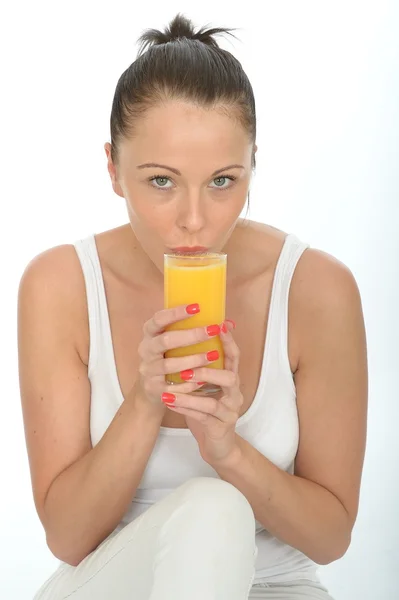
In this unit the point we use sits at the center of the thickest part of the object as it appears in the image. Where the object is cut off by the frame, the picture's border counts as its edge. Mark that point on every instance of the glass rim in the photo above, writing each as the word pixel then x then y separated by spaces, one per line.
pixel 195 255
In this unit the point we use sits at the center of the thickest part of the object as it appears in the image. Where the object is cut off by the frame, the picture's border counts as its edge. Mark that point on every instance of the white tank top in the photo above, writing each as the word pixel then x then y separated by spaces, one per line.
pixel 270 424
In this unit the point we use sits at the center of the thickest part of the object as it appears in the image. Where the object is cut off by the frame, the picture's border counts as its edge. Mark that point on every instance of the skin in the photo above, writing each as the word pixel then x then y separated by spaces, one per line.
pixel 194 212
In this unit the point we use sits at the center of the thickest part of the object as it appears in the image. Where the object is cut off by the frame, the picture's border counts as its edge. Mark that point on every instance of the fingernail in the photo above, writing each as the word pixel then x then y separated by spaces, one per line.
pixel 201 382
pixel 232 322
pixel 212 355
pixel 213 330
pixel 192 309
pixel 187 374
pixel 167 398
pixel 224 327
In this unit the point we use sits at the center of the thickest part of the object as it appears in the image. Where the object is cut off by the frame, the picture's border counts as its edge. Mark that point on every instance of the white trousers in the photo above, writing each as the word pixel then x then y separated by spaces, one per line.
pixel 197 543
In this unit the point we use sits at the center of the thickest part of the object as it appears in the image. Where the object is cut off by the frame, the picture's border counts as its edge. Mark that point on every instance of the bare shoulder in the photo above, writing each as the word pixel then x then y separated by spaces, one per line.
pixel 321 281
pixel 56 264
pixel 323 293
pixel 56 276
pixel 314 263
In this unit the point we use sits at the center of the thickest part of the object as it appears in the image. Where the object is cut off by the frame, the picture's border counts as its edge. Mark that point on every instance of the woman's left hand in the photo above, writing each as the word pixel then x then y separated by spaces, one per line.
pixel 212 419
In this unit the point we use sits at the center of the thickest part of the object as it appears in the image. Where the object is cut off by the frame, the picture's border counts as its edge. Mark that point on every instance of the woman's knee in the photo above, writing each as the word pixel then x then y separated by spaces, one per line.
pixel 216 495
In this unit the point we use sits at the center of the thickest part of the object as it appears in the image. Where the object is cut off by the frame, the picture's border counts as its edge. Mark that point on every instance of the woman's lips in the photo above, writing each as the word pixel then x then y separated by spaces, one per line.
pixel 190 249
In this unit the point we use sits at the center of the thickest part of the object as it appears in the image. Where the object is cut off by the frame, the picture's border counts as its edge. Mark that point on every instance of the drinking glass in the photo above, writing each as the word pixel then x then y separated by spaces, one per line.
pixel 191 278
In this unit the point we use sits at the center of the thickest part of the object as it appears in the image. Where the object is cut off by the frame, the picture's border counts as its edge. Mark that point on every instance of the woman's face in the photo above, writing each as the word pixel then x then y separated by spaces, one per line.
pixel 187 204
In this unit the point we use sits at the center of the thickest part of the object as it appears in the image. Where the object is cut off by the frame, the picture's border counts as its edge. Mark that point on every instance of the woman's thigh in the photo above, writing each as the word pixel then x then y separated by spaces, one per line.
pixel 104 573
pixel 175 539
pixel 295 590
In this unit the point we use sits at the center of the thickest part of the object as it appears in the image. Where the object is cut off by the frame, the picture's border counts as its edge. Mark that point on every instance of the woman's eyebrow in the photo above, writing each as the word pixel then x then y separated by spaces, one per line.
pixel 178 172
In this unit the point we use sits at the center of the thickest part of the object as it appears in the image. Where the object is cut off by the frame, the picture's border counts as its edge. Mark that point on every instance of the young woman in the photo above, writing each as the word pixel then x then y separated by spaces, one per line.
pixel 148 491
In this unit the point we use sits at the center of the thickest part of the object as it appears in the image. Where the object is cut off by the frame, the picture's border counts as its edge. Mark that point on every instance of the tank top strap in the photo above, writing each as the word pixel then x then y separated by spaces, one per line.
pixel 95 294
pixel 278 318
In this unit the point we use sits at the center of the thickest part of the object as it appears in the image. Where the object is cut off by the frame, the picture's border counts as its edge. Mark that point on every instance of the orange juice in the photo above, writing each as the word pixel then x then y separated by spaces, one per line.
pixel 190 279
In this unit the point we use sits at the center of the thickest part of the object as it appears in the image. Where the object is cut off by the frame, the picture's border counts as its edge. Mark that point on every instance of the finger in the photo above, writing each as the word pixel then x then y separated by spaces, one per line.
pixel 230 349
pixel 205 405
pixel 181 338
pixel 155 386
pixel 222 377
pixel 193 414
pixel 165 366
pixel 167 316
pixel 180 388
pixel 227 380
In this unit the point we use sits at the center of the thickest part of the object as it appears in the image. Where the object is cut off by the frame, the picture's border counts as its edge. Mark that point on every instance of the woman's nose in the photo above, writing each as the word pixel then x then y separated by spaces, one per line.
pixel 191 215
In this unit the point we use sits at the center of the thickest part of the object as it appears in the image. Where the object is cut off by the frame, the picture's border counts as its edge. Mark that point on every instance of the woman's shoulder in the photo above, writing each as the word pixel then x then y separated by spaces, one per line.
pixel 318 278
pixel 56 273
pixel 59 267
pixel 315 265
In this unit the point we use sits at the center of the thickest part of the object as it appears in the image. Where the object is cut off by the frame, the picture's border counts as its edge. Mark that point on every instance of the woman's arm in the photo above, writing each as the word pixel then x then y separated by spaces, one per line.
pixel 315 509
pixel 86 502
pixel 80 492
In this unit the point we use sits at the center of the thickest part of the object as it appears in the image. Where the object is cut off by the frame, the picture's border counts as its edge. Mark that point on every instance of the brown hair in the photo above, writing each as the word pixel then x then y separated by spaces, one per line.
pixel 183 65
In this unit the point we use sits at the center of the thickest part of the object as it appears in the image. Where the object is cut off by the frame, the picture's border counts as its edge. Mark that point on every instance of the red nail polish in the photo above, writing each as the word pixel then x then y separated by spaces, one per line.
pixel 224 327
pixel 166 398
pixel 212 355
pixel 213 330
pixel 192 309
pixel 201 382
pixel 187 374
pixel 232 322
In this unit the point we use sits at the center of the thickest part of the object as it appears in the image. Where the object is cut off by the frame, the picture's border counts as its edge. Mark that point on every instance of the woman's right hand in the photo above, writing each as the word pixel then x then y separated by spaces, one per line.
pixel 153 367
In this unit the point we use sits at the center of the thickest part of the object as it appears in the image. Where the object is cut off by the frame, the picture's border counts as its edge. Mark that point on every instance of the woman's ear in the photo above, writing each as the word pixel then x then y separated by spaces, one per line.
pixel 112 171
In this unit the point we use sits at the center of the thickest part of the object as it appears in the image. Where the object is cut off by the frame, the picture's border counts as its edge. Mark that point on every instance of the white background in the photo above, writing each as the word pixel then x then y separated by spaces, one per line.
pixel 326 82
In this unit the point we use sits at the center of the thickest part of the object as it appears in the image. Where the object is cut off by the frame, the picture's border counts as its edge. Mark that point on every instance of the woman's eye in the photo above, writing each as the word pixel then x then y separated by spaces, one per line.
pixel 163 180
pixel 226 177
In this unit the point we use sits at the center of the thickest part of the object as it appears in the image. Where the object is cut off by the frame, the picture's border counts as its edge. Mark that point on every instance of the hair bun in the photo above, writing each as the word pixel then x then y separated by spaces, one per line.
pixel 179 27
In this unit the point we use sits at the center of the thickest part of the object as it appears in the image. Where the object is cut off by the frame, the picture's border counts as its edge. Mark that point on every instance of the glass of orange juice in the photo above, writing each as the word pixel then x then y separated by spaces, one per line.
pixel 191 278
